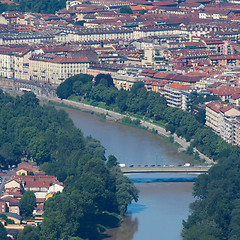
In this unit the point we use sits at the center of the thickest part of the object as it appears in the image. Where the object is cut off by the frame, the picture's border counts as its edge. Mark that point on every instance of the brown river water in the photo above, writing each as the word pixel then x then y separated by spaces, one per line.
pixel 163 205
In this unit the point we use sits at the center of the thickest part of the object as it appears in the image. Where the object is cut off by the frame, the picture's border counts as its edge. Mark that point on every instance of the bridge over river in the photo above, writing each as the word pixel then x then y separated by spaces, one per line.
pixel 193 169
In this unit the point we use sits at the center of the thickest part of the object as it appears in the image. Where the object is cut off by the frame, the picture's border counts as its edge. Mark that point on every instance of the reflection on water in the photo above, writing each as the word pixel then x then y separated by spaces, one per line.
pixel 156 180
pixel 127 230
pixel 158 214
pixel 136 208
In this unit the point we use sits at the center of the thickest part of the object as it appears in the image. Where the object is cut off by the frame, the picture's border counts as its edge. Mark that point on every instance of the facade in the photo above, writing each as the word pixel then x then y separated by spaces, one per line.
pixel 213 115
pixel 3 206
pixel 30 38
pixel 55 69
pixel 237 132
pixel 99 34
pixel 12 204
pixel 227 125
pixel 126 82
pixel 178 95
pixel 6 63
pixel 21 64
pixel 12 183
pixel 224 120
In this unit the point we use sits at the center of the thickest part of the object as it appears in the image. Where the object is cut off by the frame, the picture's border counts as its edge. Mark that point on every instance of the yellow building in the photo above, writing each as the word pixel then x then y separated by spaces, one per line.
pixel 22 172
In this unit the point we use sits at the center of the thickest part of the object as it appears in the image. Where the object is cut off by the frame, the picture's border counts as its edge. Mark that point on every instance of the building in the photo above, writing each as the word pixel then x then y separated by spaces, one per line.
pixel 24 168
pixel 227 125
pixel 178 95
pixel 213 110
pixel 55 69
pixel 224 119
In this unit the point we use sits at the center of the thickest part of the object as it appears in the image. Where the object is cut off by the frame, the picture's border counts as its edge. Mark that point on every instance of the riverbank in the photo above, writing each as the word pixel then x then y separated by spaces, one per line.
pixel 113 116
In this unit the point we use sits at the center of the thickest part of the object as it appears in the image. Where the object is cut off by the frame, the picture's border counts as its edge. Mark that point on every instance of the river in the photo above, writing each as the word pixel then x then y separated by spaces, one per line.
pixel 162 205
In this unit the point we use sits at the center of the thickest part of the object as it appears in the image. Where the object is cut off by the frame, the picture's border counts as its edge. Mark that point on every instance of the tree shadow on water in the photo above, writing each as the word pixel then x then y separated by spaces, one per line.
pixel 126 231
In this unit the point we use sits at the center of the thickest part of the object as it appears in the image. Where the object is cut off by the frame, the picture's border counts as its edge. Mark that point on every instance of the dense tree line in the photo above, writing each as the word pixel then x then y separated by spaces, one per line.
pixel 43 6
pixel 96 192
pixel 215 213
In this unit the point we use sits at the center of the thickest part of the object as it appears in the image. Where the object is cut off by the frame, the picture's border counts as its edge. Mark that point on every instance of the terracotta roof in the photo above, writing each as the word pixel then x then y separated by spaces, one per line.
pixel 12 201
pixel 225 90
pixel 215 106
pixel 27 166
pixel 178 86
pixel 218 106
pixel 215 85
pixel 236 96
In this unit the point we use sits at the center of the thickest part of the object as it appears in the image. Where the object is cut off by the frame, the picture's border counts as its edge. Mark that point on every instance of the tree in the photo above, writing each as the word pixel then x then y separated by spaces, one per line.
pixel 29 99
pixel 170 127
pixel 80 23
pixel 27 204
pixel 64 90
pixel 142 12
pixel 29 233
pixel 100 77
pixel 202 232
pixel 126 9
pixel 3 233
pixel 38 149
pixel 112 161
pixel 137 86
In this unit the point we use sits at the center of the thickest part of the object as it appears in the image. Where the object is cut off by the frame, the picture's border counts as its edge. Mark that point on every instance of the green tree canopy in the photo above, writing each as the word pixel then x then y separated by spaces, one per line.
pixel 27 204
pixel 3 233
pixel 126 9
pixel 29 233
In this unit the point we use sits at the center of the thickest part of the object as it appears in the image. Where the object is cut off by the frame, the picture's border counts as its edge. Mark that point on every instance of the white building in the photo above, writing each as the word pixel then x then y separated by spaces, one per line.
pixel 177 95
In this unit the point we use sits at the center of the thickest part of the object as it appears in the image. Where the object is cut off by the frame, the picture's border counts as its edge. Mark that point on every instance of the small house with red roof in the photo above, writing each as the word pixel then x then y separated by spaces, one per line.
pixel 24 168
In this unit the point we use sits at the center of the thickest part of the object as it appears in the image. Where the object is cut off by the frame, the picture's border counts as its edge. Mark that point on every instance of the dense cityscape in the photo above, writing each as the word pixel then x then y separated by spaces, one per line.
pixel 172 63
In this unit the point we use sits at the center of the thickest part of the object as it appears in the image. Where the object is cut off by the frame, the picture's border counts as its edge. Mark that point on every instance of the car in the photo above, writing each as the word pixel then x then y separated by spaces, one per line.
pixel 131 166
pixel 146 166
pixel 153 165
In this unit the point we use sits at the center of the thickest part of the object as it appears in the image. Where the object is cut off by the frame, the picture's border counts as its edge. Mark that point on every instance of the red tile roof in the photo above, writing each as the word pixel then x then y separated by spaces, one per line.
pixel 225 90
pixel 218 106
pixel 178 86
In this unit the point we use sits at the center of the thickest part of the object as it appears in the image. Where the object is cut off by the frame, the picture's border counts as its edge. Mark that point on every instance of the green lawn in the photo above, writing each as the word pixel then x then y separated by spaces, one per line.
pixel 74 98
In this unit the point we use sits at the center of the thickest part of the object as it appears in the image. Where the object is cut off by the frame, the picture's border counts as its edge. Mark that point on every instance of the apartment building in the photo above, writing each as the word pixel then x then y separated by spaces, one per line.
pixel 98 34
pixel 25 37
pixel 213 115
pixel 6 62
pixel 224 120
pixel 55 69
pixel 21 63
pixel 178 95
pixel 227 124
pixel 225 60
pixel 236 136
